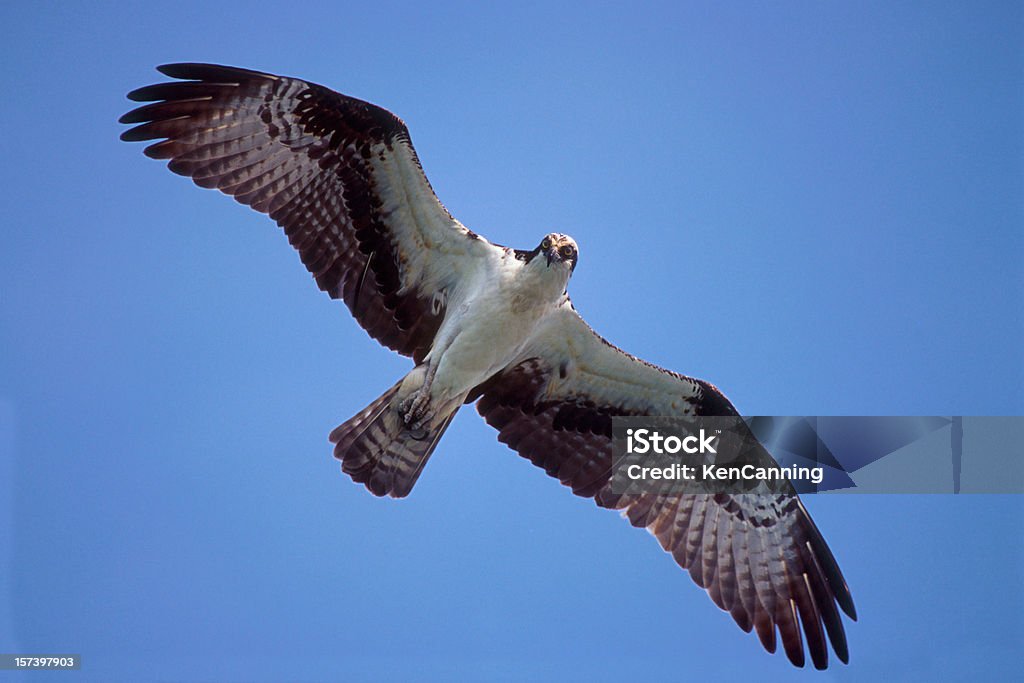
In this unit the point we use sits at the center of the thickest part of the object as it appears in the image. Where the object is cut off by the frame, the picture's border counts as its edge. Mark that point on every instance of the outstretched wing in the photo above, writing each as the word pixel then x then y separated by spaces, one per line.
pixel 760 557
pixel 338 174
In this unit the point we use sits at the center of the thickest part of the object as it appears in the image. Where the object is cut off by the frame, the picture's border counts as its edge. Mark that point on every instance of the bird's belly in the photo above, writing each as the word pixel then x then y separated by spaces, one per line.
pixel 485 343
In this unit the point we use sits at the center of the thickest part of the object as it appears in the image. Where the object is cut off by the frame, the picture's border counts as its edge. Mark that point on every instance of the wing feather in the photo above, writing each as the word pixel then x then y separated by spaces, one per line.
pixel 339 175
pixel 759 557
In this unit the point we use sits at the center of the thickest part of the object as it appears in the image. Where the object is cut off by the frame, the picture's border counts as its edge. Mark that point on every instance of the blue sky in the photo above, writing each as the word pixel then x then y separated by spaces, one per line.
pixel 816 206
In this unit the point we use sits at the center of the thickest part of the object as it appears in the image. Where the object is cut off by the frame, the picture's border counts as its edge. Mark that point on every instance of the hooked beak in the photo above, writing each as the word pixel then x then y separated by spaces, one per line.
pixel 550 253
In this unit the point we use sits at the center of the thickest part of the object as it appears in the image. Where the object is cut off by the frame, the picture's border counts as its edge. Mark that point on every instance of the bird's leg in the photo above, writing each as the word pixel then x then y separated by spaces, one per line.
pixel 414 408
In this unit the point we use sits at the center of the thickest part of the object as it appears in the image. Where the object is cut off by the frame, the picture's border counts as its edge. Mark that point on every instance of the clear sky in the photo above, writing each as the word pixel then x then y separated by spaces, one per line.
pixel 816 206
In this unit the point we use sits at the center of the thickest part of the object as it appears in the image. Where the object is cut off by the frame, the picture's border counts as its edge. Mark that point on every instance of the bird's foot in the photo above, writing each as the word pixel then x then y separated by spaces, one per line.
pixel 414 410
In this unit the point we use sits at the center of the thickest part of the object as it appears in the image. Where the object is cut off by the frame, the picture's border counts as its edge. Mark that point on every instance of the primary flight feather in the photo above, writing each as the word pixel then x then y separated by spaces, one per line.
pixel 482 323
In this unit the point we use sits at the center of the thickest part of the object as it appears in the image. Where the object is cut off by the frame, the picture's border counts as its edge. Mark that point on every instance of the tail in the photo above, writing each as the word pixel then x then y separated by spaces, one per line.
pixel 377 449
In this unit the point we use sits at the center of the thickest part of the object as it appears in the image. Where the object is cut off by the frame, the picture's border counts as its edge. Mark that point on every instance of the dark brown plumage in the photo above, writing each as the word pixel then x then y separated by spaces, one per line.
pixel 297 152
pixel 794 580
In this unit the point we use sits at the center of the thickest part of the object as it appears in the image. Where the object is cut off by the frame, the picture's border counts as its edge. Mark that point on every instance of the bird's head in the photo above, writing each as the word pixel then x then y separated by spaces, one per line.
pixel 560 249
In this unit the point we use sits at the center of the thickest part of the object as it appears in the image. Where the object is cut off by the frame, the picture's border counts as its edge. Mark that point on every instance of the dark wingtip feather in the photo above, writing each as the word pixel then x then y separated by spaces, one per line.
pixel 198 71
pixel 847 605
pixel 788 624
pixel 836 581
pixel 161 150
pixel 765 629
pixel 161 111
pixel 143 94
pixel 154 130
pixel 180 90
pixel 838 584
pixel 180 69
pixel 740 615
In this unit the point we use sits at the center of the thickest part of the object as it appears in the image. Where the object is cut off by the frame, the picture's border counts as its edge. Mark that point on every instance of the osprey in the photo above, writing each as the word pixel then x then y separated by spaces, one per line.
pixel 482 323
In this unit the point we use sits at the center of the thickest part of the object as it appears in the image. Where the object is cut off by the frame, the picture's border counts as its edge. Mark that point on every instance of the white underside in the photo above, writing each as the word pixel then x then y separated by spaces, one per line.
pixel 491 321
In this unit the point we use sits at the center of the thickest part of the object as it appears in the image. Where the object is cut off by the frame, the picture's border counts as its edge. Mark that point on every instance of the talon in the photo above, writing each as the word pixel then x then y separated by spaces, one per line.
pixel 405 409
pixel 413 408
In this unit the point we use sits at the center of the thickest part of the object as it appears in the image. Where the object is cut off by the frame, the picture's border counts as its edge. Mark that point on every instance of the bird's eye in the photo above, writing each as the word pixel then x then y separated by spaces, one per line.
pixel 566 251
pixel 546 244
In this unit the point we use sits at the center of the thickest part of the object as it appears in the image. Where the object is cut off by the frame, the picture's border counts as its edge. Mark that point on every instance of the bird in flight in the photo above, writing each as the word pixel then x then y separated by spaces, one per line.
pixel 482 323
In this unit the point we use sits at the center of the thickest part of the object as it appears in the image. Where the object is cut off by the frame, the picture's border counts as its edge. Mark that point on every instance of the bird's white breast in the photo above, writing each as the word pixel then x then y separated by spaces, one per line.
pixel 491 323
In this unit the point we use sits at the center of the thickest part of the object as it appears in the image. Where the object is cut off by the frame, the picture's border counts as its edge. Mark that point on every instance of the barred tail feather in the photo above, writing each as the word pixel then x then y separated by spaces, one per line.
pixel 377 449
